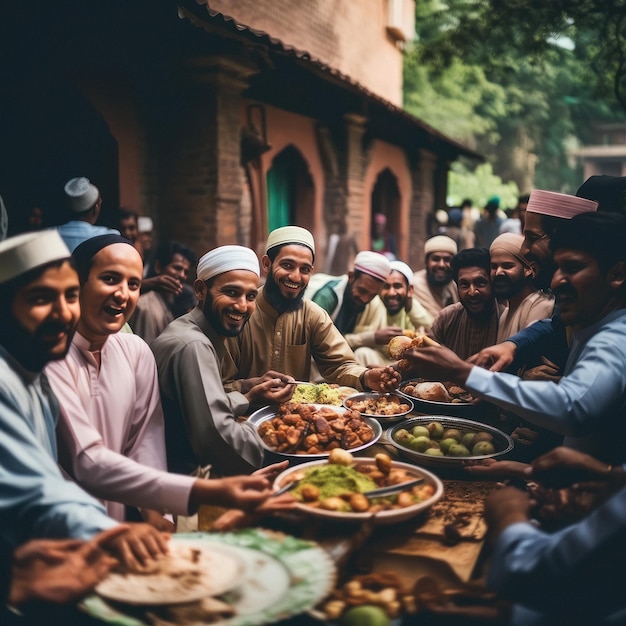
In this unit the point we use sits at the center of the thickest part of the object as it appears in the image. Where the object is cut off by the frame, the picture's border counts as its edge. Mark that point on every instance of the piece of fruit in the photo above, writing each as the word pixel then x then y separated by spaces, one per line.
pixel 436 430
pixel 365 615
pixel 483 447
pixel 445 444
pixel 468 440
pixel 458 449
pixel 452 433
pixel 483 436
pixel 419 444
pixel 402 434
pixel 434 452
pixel 420 431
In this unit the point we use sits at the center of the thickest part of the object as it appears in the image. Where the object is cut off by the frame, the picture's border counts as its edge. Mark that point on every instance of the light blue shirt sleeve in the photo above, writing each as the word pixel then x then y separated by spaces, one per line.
pixel 35 498
pixel 572 572
pixel 591 392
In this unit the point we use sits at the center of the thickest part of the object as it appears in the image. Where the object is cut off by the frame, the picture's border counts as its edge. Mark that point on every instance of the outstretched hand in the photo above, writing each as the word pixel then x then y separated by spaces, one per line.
pixel 495 358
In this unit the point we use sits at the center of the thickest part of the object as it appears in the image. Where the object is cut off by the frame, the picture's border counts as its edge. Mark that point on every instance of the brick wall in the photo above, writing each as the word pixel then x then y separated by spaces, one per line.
pixel 349 36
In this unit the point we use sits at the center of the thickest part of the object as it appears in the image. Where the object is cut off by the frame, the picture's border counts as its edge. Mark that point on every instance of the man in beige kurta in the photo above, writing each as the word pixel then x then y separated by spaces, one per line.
pixel 433 286
pixel 394 312
pixel 286 330
pixel 512 284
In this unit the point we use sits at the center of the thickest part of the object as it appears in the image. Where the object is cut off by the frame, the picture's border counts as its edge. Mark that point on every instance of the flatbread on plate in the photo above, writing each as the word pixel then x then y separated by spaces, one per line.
pixel 192 570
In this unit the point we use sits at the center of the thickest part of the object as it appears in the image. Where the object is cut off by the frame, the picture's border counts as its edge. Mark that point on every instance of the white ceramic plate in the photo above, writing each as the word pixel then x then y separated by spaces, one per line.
pixel 214 570
pixel 392 516
pixel 284 577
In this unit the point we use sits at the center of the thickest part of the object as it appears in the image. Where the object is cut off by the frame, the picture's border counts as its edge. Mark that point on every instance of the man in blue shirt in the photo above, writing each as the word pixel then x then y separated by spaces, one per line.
pixel 84 202
pixel 587 404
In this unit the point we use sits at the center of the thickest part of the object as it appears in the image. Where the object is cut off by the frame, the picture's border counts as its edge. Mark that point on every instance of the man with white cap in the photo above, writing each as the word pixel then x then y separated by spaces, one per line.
pixel 393 312
pixel 39 311
pixel 433 286
pixel 200 416
pixel 512 284
pixel 84 202
pixel 345 298
pixel 287 331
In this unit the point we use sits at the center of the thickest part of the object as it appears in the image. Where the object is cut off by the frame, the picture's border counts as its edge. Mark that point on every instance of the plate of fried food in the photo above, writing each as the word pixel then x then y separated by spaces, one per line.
pixel 346 488
pixel 387 408
pixel 311 431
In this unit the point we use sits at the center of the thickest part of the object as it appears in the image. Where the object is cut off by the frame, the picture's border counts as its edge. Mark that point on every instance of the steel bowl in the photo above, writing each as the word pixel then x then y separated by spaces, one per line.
pixel 457 409
pixel 391 516
pixel 501 441
pixel 382 418
pixel 269 412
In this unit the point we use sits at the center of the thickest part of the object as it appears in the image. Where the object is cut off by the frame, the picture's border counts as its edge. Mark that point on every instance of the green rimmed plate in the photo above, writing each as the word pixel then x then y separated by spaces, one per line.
pixel 284 576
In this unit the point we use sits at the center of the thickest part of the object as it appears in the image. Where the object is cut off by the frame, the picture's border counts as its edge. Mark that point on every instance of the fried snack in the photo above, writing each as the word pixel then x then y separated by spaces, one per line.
pixel 304 429
pixel 398 345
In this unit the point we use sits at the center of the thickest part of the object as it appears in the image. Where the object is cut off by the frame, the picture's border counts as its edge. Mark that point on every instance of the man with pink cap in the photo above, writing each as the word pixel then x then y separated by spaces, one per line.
pixel 345 298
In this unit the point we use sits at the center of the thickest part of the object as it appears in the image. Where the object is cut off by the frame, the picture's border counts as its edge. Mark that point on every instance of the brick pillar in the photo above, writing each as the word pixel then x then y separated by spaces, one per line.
pixel 422 203
pixel 355 173
pixel 201 174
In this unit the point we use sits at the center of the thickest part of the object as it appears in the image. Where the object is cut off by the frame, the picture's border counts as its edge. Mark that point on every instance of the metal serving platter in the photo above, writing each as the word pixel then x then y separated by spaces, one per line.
pixel 430 407
pixel 268 412
pixel 383 419
pixel 501 441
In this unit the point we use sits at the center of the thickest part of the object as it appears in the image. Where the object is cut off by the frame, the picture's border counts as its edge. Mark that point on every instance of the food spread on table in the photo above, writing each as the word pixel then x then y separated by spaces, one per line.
pixel 307 429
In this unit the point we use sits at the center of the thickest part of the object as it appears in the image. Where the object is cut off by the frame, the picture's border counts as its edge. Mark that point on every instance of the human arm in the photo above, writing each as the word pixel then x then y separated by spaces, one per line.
pixel 584 401
pixel 59 571
pixel 164 283
pixel 496 358
pixel 189 372
pixel 271 388
pixel 562 467
pixel 567 573
pixel 134 471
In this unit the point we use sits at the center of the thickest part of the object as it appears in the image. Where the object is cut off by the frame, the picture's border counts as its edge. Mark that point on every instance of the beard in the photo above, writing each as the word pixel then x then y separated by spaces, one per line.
pixel 214 318
pixel 545 272
pixel 504 287
pixel 433 281
pixel 30 349
pixel 277 300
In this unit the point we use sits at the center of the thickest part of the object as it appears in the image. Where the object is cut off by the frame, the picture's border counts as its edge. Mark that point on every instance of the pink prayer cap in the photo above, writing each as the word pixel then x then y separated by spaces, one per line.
pixel 559 204
pixel 372 263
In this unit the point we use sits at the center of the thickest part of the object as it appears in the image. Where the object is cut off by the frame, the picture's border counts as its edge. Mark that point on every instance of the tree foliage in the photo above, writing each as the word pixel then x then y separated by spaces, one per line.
pixel 519 80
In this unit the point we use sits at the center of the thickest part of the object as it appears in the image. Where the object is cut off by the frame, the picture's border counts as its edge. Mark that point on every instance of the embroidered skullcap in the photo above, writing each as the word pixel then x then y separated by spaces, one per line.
pixel 608 191
pixel 380 218
pixel 511 244
pixel 81 194
pixel 404 269
pixel 558 204
pixel 144 224
pixel 227 259
pixel 25 252
pixel 440 243
pixel 372 263
pixel 286 235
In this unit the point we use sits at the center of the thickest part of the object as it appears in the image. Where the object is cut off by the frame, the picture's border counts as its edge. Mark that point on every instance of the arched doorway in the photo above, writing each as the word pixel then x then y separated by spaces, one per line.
pixel 385 218
pixel 50 134
pixel 290 191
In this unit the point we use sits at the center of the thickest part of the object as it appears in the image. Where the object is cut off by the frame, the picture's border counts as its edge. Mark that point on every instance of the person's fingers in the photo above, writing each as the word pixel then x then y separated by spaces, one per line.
pixel 107 535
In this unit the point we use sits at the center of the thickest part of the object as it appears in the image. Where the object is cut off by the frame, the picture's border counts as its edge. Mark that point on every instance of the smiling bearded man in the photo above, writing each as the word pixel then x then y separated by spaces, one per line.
pixel 200 416
pixel 286 331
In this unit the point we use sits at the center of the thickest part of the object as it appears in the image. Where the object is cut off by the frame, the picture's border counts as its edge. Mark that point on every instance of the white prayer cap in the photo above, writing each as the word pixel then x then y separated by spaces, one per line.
pixel 81 194
pixel 404 269
pixel 290 235
pixel 558 204
pixel 227 259
pixel 145 224
pixel 440 243
pixel 372 263
pixel 25 252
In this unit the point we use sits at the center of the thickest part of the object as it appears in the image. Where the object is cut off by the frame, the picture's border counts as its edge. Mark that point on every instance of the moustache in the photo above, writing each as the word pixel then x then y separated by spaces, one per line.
pixel 53 328
pixel 565 291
